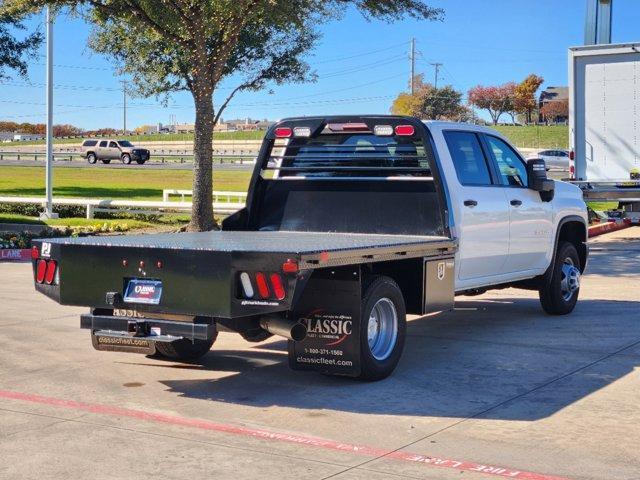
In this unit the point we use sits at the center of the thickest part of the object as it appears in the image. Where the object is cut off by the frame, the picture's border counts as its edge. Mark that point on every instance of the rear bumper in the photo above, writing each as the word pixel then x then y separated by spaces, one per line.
pixel 147 328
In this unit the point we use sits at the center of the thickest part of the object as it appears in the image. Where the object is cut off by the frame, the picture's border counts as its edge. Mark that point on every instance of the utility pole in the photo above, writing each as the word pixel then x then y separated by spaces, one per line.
pixel 437 68
pixel 124 106
pixel 48 213
pixel 598 22
pixel 412 59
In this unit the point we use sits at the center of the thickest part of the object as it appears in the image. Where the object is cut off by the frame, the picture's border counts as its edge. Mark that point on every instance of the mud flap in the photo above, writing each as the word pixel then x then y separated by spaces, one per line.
pixel 330 309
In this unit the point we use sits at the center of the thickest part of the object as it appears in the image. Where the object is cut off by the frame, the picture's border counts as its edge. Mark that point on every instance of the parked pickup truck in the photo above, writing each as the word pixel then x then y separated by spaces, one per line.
pixel 351 223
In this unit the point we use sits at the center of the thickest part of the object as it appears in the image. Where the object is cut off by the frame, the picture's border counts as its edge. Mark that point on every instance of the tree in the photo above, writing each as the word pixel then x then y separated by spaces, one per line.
pixel 171 45
pixel 494 99
pixel 525 95
pixel 555 109
pixel 14 52
pixel 429 102
pixel 66 131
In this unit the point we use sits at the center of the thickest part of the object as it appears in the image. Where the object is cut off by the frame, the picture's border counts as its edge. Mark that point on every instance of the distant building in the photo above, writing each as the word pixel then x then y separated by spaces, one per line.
pixel 249 124
pixel 23 137
pixel 553 94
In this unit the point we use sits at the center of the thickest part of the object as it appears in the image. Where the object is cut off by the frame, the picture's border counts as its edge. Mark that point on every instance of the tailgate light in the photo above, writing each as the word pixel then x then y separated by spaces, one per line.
pixel 290 266
pixel 572 155
pixel 405 130
pixel 247 288
pixel 263 287
pixel 50 274
pixel 278 287
pixel 35 254
pixel 41 270
pixel 383 130
pixel 302 132
pixel 283 132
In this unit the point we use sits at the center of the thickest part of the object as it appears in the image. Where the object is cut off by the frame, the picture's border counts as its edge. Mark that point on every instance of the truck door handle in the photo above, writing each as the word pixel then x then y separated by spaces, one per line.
pixel 470 203
pixel 516 203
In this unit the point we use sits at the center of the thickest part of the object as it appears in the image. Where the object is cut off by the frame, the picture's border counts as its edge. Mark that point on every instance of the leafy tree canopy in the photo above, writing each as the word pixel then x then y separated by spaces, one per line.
pixel 14 52
pixel 429 102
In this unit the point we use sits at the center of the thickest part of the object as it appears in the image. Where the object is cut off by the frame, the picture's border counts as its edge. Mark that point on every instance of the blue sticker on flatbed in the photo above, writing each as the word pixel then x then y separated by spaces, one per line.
pixel 143 291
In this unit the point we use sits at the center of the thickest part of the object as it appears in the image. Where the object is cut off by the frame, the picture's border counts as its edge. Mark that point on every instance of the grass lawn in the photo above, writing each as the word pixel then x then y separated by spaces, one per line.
pixel 114 183
pixel 537 136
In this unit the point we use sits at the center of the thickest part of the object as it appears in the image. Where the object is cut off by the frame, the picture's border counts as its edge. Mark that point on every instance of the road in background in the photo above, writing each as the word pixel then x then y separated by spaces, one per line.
pixel 496 383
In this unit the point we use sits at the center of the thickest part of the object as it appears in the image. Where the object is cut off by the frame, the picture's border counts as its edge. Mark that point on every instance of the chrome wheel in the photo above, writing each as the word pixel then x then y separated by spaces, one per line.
pixel 382 329
pixel 570 279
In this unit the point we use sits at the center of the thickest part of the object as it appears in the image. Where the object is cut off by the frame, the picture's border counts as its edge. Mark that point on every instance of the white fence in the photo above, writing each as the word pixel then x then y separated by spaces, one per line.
pixel 94 205
pixel 239 198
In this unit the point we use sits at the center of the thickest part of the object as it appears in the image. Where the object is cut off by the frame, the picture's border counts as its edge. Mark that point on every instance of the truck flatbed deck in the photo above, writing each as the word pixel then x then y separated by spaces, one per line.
pixel 312 248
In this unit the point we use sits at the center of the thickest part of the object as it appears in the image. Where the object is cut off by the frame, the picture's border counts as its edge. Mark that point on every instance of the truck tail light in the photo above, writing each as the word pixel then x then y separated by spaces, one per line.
pixel 247 288
pixel 405 130
pixel 572 155
pixel 263 287
pixel 50 274
pixel 572 171
pixel 283 132
pixel 290 266
pixel 41 270
pixel 278 287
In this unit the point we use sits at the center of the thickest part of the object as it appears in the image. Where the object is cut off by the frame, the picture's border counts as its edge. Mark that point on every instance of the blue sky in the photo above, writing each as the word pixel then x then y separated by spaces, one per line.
pixel 361 65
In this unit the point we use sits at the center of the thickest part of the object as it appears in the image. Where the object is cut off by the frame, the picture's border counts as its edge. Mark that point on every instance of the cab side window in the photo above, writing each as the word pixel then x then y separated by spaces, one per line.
pixel 113 145
pixel 468 158
pixel 103 143
pixel 512 169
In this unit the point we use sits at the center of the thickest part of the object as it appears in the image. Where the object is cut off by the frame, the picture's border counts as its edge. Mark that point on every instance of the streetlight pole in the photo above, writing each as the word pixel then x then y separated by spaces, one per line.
pixel 48 213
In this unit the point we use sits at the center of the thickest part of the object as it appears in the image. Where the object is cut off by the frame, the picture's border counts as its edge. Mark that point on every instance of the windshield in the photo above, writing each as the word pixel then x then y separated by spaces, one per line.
pixel 352 155
pixel 125 143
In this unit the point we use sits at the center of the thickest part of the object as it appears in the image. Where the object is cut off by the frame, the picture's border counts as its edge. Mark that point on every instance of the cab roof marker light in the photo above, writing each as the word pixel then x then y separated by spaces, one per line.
pixel 245 281
pixel 283 132
pixel 383 130
pixel 301 132
pixel 405 130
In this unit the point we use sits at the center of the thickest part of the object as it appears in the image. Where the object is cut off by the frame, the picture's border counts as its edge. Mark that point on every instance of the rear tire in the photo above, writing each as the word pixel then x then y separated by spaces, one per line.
pixel 383 328
pixel 91 158
pixel 559 294
pixel 256 336
pixel 186 350
pixel 126 159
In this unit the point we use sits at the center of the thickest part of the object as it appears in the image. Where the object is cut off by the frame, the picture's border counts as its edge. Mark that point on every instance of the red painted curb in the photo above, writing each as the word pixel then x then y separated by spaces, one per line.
pixel 15 254
pixel 314 442
pixel 608 227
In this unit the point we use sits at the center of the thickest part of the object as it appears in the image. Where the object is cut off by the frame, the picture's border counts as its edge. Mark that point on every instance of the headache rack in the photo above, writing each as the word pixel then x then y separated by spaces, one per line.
pixel 371 147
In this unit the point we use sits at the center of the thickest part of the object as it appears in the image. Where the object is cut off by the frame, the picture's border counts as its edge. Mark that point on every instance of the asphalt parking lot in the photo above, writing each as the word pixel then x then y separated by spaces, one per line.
pixel 495 386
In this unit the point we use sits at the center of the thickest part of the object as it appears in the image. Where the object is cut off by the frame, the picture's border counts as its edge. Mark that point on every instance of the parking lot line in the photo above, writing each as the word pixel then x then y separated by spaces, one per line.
pixel 363 450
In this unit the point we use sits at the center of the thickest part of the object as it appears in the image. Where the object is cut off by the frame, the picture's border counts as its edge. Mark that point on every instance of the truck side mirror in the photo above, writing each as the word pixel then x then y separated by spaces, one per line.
pixel 538 181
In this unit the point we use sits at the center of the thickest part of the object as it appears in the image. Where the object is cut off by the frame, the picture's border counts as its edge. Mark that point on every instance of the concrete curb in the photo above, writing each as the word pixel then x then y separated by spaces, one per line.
pixel 608 227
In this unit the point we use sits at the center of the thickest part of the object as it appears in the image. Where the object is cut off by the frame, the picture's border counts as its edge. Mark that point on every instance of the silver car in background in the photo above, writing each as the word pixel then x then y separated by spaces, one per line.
pixel 555 159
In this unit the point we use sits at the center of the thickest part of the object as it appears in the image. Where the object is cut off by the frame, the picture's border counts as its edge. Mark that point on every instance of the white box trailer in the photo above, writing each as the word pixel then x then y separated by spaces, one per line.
pixel 604 112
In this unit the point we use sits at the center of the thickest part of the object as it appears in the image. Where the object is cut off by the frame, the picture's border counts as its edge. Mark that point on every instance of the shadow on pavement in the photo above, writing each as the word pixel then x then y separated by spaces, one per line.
pixel 456 364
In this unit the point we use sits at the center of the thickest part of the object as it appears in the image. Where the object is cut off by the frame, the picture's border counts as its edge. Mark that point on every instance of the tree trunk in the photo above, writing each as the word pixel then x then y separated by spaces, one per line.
pixel 202 209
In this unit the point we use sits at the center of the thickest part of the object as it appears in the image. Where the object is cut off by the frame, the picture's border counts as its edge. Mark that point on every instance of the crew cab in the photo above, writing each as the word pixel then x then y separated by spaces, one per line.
pixel 351 223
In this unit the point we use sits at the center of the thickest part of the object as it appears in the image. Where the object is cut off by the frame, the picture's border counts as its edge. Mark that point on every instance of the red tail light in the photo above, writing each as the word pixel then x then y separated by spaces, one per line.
pixel 283 132
pixel 261 283
pixel 290 266
pixel 405 130
pixel 35 254
pixel 50 274
pixel 572 155
pixel 278 287
pixel 41 270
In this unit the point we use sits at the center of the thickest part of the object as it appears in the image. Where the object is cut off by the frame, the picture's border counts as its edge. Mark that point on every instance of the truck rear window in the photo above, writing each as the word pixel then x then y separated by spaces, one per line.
pixel 350 155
